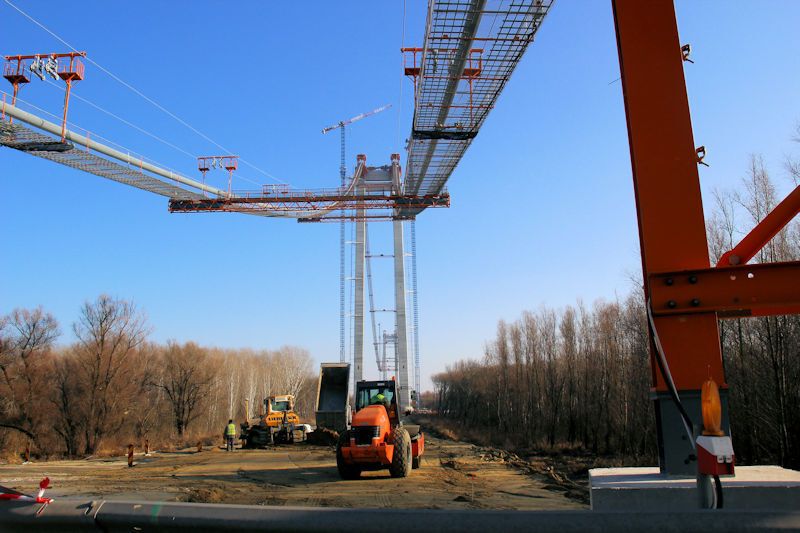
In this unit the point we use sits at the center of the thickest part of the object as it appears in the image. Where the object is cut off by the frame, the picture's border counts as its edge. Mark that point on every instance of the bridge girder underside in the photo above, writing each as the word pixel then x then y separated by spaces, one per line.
pixel 451 104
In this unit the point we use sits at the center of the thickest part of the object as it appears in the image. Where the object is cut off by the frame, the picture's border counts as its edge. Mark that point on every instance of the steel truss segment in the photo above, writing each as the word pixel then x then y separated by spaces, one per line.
pixel 354 218
pixel 305 204
pixel 736 291
pixel 457 87
pixel 373 190
pixel 324 196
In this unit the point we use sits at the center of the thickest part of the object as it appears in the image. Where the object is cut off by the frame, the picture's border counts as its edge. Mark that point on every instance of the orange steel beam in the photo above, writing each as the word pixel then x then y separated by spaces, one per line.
pixel 666 182
pixel 736 291
pixel 69 74
pixel 764 231
pixel 45 56
pixel 68 81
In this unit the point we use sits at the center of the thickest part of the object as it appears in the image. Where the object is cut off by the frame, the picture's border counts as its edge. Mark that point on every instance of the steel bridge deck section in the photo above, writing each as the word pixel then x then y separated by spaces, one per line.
pixel 453 96
pixel 40 145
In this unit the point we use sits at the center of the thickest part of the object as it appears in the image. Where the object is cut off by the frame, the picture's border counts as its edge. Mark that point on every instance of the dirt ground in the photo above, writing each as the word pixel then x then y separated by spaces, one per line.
pixel 454 475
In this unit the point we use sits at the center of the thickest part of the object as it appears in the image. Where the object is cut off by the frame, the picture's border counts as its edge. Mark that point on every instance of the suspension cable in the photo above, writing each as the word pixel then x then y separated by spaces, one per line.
pixel 142 95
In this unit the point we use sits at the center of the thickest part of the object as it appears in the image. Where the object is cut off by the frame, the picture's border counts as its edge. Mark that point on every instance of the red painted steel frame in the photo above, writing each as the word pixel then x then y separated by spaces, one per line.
pixel 73 72
pixel 745 290
pixel 671 224
pixel 765 230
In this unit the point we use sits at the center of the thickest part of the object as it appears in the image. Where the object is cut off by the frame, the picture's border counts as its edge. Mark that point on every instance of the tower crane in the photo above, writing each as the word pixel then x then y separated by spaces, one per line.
pixel 347 122
pixel 343 176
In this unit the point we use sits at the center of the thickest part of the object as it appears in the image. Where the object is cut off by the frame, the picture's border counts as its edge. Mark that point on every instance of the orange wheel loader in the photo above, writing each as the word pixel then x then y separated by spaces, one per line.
pixel 377 439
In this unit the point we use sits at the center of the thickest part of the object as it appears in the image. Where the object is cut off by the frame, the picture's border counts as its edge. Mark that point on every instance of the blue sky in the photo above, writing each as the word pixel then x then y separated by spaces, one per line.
pixel 542 204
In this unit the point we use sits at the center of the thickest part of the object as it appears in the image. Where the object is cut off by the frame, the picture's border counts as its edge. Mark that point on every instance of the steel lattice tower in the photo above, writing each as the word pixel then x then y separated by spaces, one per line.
pixel 343 177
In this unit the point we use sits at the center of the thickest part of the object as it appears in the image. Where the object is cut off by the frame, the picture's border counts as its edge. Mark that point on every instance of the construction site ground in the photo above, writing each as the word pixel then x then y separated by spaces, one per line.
pixel 454 475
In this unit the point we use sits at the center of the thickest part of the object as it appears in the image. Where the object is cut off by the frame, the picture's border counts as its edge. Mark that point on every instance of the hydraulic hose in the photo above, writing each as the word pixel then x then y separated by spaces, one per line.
pixel 663 367
pixel 718 488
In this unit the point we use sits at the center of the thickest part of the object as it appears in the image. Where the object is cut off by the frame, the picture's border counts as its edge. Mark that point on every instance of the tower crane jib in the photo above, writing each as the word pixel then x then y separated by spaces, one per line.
pixel 356 118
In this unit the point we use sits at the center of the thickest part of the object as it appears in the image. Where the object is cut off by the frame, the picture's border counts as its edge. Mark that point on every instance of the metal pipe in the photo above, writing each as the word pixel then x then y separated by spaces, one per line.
pixel 55 129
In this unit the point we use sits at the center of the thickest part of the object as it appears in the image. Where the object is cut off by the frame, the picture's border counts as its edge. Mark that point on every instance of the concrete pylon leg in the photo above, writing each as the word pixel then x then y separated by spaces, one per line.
pixel 401 348
pixel 358 307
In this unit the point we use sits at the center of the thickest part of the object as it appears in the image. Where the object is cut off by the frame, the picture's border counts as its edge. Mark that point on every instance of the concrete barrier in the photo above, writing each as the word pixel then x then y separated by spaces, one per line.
pixel 125 516
pixel 646 489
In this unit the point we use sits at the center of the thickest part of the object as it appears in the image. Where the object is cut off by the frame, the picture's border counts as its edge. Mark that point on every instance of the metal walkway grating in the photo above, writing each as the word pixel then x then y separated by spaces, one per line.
pixel 24 139
pixel 470 50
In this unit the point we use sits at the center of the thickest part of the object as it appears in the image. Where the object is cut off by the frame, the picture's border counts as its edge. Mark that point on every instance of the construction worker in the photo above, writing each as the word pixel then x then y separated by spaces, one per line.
pixel 230 435
pixel 378 399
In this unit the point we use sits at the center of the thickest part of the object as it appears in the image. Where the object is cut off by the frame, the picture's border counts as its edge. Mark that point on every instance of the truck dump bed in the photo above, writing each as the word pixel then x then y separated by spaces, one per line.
pixel 333 396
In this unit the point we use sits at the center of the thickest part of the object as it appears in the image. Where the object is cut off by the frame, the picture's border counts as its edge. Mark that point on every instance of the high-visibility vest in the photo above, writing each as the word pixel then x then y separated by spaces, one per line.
pixel 378 398
pixel 230 431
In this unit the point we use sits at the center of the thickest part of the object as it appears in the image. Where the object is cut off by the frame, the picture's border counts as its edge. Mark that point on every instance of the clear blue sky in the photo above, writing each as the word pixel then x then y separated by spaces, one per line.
pixel 542 212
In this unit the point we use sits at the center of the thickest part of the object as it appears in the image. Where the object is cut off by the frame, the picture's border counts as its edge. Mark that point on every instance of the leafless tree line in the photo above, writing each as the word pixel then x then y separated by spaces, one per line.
pixel 576 378
pixel 112 386
pixel 761 355
pixel 580 377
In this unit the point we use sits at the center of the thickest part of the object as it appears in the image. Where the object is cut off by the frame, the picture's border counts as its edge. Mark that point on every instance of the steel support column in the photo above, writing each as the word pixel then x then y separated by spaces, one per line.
pixel 669 207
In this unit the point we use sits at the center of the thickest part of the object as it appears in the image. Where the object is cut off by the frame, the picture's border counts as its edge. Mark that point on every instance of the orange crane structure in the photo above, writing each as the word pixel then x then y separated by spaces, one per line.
pixel 470 50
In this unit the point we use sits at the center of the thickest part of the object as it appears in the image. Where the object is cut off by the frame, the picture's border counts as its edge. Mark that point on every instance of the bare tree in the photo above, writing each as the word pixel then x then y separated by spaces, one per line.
pixel 26 339
pixel 232 384
pixel 574 376
pixel 586 375
pixel 145 405
pixel 185 381
pixel 109 333
pixel 66 398
pixel 292 365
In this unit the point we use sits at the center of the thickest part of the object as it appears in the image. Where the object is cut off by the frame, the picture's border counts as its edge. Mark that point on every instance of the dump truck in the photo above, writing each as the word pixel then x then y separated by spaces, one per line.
pixel 333 397
pixel 377 437
pixel 276 425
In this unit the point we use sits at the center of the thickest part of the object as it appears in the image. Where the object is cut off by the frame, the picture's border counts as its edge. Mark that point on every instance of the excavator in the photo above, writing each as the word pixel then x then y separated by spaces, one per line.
pixel 276 426
pixel 377 438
